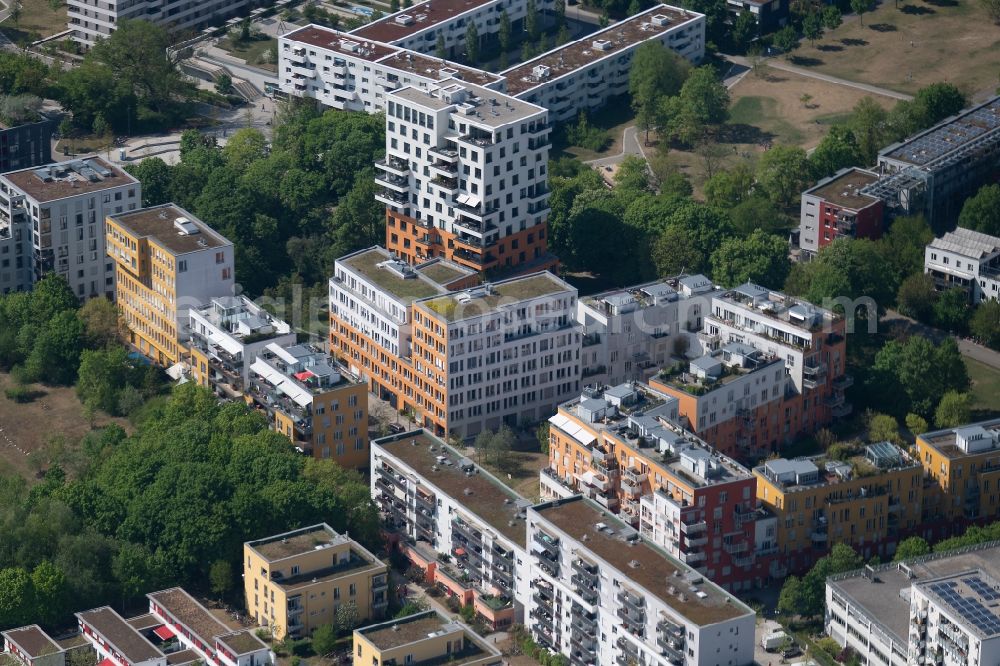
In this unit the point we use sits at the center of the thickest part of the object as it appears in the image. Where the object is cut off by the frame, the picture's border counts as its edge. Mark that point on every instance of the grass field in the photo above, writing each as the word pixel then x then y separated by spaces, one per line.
pixel 922 42
pixel 613 118
pixel 38 20
pixel 251 51
pixel 61 413
pixel 985 389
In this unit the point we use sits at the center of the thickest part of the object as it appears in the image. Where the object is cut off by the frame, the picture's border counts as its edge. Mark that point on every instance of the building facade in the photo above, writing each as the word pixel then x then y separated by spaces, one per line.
pixel 295 582
pixel 167 262
pixel 836 207
pixel 52 221
pixel 27 145
pixel 967 260
pixel 450 517
pixel 422 638
pixel 602 595
pixel 871 501
pixel 89 22
pixel 313 401
pixel 33 647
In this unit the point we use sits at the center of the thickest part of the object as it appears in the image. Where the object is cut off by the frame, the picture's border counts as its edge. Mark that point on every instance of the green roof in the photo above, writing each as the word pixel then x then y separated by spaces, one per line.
pixel 408 289
pixel 441 273
pixel 510 291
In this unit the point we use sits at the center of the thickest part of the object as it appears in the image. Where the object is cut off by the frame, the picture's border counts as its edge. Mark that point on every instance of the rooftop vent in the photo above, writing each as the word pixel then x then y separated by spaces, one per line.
pixel 185 227
pixel 404 19
pixel 602 45
pixel 634 564
pixel 348 45
pixel 467 491
pixel 660 20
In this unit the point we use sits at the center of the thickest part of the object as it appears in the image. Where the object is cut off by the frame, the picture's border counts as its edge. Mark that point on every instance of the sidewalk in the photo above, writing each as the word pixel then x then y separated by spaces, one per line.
pixel 976 352
pixel 778 63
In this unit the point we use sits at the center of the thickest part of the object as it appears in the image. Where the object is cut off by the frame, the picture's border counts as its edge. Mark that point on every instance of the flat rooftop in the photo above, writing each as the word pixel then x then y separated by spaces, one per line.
pixel 639 563
pixel 120 633
pixel 424 15
pixel 886 599
pixel 182 657
pixel 489 107
pixel 581 53
pixel 489 500
pixel 340 42
pixel 242 642
pixel 158 222
pixel 946 441
pixel 977 123
pixel 189 612
pixel 142 622
pixel 32 640
pixel 483 300
pixel 443 272
pixel 394 276
pixel 407 630
pixel 775 305
pixel 60 180
pixel 297 542
pixel 844 189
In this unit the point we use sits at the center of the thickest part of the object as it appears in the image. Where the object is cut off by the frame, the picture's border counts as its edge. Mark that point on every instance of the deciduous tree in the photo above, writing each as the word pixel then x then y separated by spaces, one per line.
pixel 760 258
pixel 954 410
pixel 981 212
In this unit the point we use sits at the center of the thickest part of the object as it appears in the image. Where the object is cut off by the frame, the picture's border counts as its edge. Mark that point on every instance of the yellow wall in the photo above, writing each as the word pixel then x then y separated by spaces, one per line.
pixel 366 654
pixel 955 476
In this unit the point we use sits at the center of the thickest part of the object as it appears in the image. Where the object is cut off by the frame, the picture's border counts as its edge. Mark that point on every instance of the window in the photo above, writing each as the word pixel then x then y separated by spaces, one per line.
pixel 182 266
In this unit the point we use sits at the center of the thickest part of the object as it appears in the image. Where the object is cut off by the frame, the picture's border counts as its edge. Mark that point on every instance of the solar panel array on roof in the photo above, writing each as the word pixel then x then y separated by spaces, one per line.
pixel 950 135
pixel 970 609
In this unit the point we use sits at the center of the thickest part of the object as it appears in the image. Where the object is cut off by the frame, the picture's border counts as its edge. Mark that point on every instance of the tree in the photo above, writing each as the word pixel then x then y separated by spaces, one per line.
pixel 935 102
pixel 756 213
pixel 634 8
pixel 868 122
pixel 17 600
pixel 55 353
pixel 744 29
pixel 916 424
pixel 324 639
pixel 729 187
pixel 563 36
pixel 832 17
pixel 393 6
pixel 102 324
pixel 439 48
pixel 954 410
pixel 916 297
pixel 992 8
pixel 102 374
pixel 657 72
pixel 632 175
pixel 981 212
pixel 812 26
pixel 16 9
pixel 838 150
pixel 783 172
pixel 790 597
pixel 760 258
pixel 985 324
pixel 921 371
pixel 883 428
pixel 155 176
pixel 902 248
pixel 805 98
pixel 531 25
pixel 703 101
pixel 346 618
pixel 51 593
pixel 911 547
pixel 674 252
pixel 951 310
pixel 472 43
pixel 220 578
pixel 542 435
pixel 504 35
pixel 224 84
pixel 100 126
pixel 859 7
pixel 786 40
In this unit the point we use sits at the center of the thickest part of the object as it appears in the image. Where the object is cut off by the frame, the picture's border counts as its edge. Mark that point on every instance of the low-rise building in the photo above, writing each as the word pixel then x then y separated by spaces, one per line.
pixel 33 647
pixel 452 518
pixel 226 336
pixel 52 221
pixel 837 207
pixel 422 639
pixel 603 595
pixel 312 400
pixel 89 22
pixel 870 501
pixel 962 468
pixel 936 609
pixel 116 641
pixel 167 263
pixel 967 260
pixel 296 581
pixel 630 333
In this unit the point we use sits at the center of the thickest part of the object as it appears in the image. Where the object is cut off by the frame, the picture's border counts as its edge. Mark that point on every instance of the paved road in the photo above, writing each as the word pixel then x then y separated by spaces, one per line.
pixel 781 64
pixel 976 352
pixel 631 145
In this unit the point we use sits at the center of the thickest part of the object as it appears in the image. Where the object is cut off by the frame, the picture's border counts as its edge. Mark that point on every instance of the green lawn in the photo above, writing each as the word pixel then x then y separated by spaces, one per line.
pixel 251 51
pixel 985 389
pixel 37 20
pixel 763 112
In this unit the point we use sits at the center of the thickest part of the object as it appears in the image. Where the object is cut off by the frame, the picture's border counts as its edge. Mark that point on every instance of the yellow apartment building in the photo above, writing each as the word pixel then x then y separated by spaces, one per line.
pixel 166 263
pixel 313 401
pixel 962 468
pixel 296 581
pixel 869 501
pixel 423 638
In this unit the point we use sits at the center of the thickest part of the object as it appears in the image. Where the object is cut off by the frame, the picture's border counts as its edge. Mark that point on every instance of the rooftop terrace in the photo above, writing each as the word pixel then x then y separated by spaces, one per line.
pixel 443 272
pixel 160 224
pixel 417 18
pixel 297 542
pixel 489 298
pixel 844 189
pixel 811 472
pixel 377 266
pixel 639 563
pixel 776 306
pixel 68 179
pixel 573 56
pixel 972 439
pixel 487 498
pixel 478 105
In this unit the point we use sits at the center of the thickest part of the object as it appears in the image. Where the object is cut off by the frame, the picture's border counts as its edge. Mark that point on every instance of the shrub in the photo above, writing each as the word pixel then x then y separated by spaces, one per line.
pixel 19 394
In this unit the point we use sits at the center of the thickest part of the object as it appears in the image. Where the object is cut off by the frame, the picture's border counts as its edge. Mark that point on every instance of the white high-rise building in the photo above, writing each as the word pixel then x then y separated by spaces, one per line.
pixel 89 22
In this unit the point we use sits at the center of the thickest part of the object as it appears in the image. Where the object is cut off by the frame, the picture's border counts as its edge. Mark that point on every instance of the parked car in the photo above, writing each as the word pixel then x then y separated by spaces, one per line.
pixel 789 652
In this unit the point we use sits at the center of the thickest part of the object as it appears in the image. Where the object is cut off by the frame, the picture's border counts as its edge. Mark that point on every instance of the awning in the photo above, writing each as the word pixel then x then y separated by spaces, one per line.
pixel 164 632
pixel 460 551
pixel 107 662
pixel 304 375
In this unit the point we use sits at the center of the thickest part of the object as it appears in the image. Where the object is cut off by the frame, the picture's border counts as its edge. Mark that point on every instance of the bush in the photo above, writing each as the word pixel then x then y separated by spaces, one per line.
pixel 582 134
pixel 19 394
pixel 828 645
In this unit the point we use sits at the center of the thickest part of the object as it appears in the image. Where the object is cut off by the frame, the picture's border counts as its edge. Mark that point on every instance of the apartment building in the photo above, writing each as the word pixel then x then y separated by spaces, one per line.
pixel 423 639
pixel 167 262
pixel 810 339
pixel 769 14
pixel 296 581
pixel 603 595
pixel 52 221
pixel 31 646
pixel 349 72
pixel 837 207
pixel 938 609
pixel 736 398
pixel 28 144
pixel 226 336
pixel 506 352
pixel 622 448
pixel 628 334
pixel 118 642
pixel 465 177
pixel 871 501
pixel 89 22
pixel 962 468
pixel 453 519
pixel 418 27
pixel 587 73
pixel 314 401
pixel 967 260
